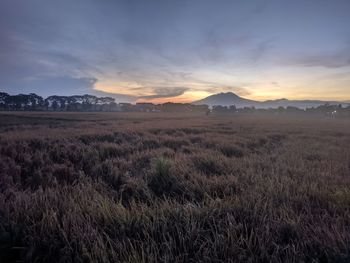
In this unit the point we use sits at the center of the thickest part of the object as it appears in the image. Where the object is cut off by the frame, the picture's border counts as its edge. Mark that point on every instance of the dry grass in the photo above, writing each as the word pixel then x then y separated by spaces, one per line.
pixel 131 187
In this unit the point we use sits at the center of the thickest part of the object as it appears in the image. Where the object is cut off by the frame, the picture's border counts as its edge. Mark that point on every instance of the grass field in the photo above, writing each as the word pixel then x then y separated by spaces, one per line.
pixel 133 187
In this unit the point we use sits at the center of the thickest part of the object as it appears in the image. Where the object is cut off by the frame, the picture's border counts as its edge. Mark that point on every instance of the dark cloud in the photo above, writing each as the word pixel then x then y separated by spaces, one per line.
pixel 167 92
pixel 337 59
pixel 260 49
pixel 52 85
pixel 239 90
pixel 260 7
pixel 47 86
pixel 117 96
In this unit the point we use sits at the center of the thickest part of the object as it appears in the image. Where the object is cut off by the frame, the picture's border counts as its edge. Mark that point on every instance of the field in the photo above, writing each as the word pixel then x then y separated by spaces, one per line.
pixel 156 187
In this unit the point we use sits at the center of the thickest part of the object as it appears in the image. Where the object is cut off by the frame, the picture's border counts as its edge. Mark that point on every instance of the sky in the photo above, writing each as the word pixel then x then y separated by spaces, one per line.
pixel 179 51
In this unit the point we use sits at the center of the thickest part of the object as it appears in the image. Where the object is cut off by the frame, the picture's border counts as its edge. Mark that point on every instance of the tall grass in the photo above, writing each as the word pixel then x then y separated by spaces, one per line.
pixel 170 188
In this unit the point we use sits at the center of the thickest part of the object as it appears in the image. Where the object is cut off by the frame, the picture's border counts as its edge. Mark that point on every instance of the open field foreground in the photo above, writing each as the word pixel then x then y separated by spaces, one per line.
pixel 134 187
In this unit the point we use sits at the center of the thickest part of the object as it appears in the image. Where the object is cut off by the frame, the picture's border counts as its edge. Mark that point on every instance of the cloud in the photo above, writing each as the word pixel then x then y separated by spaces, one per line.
pixel 221 47
pixel 198 44
pixel 275 83
pixel 63 85
pixel 46 85
pixel 239 90
pixel 168 92
pixel 336 59
pixel 260 7
pixel 117 96
pixel 260 49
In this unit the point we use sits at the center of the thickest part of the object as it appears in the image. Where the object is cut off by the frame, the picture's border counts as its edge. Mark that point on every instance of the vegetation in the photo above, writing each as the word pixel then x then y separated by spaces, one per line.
pixel 160 187
pixel 327 110
pixel 89 103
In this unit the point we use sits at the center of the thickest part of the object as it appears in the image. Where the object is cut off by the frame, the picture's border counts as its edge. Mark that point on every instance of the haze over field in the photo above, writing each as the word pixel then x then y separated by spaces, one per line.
pixel 229 99
pixel 179 51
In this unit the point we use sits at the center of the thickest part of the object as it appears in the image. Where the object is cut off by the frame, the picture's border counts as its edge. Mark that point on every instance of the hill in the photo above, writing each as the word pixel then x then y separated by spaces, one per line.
pixel 230 98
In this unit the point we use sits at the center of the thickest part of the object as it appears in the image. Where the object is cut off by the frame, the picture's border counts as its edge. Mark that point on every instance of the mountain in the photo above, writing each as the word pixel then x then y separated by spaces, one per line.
pixel 226 99
pixel 229 98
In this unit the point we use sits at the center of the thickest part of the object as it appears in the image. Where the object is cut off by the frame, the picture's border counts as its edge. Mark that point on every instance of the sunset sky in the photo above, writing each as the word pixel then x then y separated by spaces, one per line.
pixel 183 50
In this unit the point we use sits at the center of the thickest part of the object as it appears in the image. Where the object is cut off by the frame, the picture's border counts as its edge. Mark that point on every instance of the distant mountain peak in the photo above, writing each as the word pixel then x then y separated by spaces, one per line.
pixel 229 94
pixel 224 99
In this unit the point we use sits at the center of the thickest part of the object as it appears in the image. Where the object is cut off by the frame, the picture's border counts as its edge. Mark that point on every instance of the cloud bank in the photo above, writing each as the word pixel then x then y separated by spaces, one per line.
pixel 165 49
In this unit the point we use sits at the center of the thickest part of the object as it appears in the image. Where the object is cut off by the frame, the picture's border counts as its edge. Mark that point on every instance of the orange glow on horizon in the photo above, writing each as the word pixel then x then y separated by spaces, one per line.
pixel 165 100
pixel 124 89
pixel 261 92
pixel 187 97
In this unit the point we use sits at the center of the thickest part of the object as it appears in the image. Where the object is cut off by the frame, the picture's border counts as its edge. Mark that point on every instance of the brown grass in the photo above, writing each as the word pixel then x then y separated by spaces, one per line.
pixel 132 187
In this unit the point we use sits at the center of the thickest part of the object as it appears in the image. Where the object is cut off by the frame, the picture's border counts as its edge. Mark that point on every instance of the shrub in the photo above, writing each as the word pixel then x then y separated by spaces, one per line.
pixel 175 144
pixel 231 151
pixel 134 190
pixel 109 174
pixel 162 181
pixel 287 233
pixel 208 164
pixel 149 144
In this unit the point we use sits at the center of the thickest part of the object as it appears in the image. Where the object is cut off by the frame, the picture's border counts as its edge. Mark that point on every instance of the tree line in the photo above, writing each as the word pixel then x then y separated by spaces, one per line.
pixel 326 110
pixel 34 102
